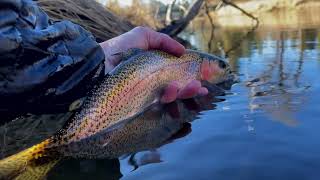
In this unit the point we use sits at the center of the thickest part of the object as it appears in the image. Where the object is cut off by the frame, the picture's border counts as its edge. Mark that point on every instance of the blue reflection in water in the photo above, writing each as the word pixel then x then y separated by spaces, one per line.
pixel 268 127
pixel 265 128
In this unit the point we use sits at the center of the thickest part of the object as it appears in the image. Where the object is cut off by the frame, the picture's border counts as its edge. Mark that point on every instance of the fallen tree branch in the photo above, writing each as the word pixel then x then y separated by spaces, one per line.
pixel 177 26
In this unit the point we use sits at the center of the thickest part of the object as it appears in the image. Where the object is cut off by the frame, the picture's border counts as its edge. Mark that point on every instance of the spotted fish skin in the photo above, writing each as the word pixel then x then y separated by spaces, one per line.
pixel 133 86
pixel 149 130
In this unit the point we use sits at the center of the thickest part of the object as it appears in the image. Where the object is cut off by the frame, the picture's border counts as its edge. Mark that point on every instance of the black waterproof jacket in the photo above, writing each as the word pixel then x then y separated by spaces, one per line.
pixel 44 65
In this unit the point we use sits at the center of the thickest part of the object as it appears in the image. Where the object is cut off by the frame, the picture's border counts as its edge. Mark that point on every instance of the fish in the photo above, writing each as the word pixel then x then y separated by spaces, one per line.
pixel 157 126
pixel 127 91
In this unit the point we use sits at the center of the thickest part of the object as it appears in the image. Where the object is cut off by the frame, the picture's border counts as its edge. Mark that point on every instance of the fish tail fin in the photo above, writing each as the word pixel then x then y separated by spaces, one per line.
pixel 32 163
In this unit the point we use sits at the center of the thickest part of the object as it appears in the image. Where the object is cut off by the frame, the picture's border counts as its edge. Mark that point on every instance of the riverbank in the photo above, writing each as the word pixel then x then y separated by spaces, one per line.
pixel 272 13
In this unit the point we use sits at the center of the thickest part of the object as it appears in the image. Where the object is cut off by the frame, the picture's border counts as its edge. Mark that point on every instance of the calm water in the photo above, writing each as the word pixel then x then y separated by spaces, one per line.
pixel 266 127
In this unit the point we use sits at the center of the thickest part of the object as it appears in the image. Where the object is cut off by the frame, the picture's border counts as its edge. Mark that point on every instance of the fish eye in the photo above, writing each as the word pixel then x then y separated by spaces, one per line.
pixel 222 64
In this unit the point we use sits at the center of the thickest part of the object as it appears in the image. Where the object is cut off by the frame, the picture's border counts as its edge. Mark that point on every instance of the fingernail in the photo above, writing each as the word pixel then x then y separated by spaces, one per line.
pixel 170 93
pixel 203 91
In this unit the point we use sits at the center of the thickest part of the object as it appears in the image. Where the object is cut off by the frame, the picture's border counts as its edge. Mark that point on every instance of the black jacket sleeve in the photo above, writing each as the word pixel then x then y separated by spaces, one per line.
pixel 43 63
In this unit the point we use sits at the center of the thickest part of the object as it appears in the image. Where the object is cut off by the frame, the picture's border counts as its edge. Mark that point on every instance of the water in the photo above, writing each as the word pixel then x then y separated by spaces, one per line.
pixel 266 127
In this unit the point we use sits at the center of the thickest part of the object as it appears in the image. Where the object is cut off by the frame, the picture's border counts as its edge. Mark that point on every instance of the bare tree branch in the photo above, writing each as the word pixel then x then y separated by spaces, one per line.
pixel 237 44
pixel 211 40
pixel 168 19
pixel 177 26
pixel 228 2
pixel 183 9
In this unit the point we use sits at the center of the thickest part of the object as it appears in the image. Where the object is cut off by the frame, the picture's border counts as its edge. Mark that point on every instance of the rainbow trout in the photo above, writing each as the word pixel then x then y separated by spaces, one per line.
pixel 128 90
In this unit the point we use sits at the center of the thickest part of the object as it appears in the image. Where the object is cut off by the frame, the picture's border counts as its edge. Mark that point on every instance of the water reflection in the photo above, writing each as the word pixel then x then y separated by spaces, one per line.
pixel 272 66
pixel 278 71
pixel 146 133
pixel 278 89
pixel 160 125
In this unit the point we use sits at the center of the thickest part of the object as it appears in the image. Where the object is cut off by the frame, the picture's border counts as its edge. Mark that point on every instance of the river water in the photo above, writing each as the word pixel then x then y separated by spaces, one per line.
pixel 265 127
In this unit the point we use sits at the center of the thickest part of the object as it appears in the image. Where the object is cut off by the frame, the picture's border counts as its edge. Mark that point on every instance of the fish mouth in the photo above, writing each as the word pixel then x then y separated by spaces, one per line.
pixel 220 81
pixel 218 89
pixel 224 75
pixel 226 80
pixel 228 75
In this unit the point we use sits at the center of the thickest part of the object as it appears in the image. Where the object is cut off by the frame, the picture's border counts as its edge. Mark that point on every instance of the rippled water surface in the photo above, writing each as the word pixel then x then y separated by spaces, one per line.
pixel 265 127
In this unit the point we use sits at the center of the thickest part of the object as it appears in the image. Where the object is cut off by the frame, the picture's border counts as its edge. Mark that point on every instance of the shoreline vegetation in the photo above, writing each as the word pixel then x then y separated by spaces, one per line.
pixel 271 13
pixel 279 13
pixel 105 23
pixel 112 19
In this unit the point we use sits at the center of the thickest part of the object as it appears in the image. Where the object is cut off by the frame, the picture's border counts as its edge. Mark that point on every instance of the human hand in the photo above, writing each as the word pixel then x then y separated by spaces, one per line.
pixel 146 38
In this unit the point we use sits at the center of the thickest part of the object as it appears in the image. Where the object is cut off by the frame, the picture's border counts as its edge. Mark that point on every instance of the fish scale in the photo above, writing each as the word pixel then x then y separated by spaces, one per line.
pixel 130 88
